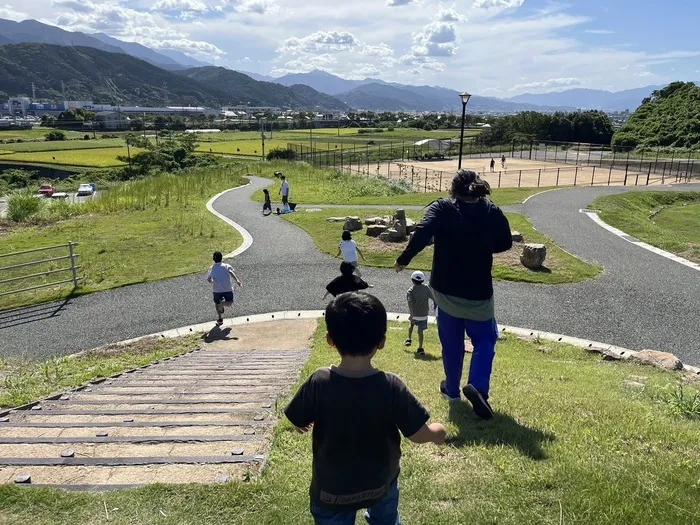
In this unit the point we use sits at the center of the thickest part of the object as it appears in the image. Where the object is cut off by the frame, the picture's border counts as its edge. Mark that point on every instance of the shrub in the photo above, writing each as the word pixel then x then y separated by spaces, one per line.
pixel 60 209
pixel 284 154
pixel 55 135
pixel 22 206
pixel 86 137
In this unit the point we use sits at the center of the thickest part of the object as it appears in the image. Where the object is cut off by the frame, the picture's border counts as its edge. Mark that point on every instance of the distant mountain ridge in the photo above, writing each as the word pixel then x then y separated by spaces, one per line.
pixel 580 98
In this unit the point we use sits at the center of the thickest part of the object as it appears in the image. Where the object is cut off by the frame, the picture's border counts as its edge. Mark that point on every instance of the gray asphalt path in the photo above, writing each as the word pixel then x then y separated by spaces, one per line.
pixel 641 301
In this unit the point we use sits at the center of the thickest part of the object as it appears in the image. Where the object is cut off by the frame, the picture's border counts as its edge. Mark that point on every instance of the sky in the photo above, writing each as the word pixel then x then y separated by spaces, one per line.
pixel 488 47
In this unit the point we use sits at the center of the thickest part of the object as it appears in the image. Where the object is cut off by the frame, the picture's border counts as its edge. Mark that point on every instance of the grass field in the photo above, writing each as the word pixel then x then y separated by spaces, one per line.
pixel 668 220
pixel 26 381
pixel 323 186
pixel 146 230
pixel 59 145
pixel 35 134
pixel 94 158
pixel 557 452
pixel 562 267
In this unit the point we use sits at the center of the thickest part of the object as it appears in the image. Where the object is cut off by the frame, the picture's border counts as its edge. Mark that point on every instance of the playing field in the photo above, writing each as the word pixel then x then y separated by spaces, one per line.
pixel 436 175
pixel 60 145
pixel 91 158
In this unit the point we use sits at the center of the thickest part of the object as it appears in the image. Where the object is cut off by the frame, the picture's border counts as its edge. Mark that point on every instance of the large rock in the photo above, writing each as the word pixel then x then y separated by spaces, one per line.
pixel 352 224
pixel 400 217
pixel 533 256
pixel 410 226
pixel 658 359
pixel 391 235
pixel 374 220
pixel 517 236
pixel 400 229
pixel 336 219
pixel 375 230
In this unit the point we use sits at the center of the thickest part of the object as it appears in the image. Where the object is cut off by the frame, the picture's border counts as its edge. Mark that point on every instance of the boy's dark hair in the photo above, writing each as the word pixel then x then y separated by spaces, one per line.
pixel 218 257
pixel 356 323
pixel 467 183
pixel 282 177
pixel 346 268
pixel 265 192
pixel 347 235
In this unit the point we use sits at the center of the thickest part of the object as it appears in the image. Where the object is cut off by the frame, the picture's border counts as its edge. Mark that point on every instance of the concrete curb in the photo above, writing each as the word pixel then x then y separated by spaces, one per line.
pixel 247 237
pixel 607 350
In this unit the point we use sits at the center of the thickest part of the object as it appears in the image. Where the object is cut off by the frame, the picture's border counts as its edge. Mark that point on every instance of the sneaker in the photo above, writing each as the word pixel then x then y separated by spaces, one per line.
pixel 420 351
pixel 408 342
pixel 443 391
pixel 219 322
pixel 479 402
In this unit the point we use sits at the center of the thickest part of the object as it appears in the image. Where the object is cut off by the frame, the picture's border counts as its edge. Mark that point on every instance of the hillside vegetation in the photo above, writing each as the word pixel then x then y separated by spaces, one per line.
pixel 669 118
pixel 110 78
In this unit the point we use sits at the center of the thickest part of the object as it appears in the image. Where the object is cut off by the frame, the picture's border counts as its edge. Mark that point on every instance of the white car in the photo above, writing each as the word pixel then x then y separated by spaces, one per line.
pixel 85 189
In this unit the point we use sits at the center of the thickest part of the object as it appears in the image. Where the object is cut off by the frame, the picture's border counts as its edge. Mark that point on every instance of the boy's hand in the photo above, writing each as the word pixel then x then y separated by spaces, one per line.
pixel 439 433
pixel 304 430
pixel 399 267
pixel 240 284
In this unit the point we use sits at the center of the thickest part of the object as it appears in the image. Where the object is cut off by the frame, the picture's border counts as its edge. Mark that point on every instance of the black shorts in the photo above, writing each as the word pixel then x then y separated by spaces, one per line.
pixel 267 206
pixel 223 297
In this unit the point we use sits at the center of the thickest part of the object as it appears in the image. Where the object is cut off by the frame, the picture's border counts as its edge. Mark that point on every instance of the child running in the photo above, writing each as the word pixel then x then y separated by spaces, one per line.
pixel 268 205
pixel 418 297
pixel 493 165
pixel 349 249
pixel 357 412
pixel 503 161
pixel 347 282
pixel 220 276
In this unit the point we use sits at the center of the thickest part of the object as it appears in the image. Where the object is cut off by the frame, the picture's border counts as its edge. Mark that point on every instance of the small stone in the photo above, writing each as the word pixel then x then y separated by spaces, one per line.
pixel 516 236
pixel 102 434
pixel 376 230
pixel 237 452
pixel 663 360
pixel 129 420
pixel 4 419
pixel 267 405
pixel 259 417
pixel 249 431
pixel 68 453
pixel 36 407
pixel 533 256
pixel 88 389
pixel 64 398
pixel 23 478
pixel 352 224
pixel 221 478
pixel 635 385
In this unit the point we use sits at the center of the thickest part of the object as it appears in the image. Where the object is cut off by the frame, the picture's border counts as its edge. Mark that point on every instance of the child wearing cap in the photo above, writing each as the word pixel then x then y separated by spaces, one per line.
pixel 418 298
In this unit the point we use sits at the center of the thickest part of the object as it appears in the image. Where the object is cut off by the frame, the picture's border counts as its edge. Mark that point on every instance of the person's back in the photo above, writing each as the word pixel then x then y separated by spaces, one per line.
pixel 220 275
pixel 346 282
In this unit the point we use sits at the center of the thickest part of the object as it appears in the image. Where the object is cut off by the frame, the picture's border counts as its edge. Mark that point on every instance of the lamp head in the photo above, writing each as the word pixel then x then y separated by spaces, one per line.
pixel 465 98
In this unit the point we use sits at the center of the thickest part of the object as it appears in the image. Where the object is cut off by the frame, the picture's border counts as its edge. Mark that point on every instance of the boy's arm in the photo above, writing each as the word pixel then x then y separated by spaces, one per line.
pixel 421 238
pixel 302 408
pixel 409 300
pixel 502 238
pixel 235 277
pixel 359 251
pixel 411 417
pixel 433 433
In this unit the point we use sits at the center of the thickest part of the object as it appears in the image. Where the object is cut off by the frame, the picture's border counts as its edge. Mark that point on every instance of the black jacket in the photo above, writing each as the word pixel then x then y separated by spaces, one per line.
pixel 466 237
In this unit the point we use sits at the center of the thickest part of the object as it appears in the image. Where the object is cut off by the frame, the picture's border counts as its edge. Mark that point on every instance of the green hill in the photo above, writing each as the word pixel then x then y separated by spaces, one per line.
pixel 669 118
pixel 103 77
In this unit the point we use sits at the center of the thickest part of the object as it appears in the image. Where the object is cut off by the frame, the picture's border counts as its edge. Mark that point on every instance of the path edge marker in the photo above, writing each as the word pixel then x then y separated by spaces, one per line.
pixel 247 237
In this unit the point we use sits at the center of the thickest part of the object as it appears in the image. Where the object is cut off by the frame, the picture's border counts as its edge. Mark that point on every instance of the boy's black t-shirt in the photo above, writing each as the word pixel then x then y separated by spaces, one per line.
pixel 356 441
pixel 346 283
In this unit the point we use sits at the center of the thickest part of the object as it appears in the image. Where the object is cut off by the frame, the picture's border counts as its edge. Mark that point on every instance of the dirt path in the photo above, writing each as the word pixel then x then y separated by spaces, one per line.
pixel 202 417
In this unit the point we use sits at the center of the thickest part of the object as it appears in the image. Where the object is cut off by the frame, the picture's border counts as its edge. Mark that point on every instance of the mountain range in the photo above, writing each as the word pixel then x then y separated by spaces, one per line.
pixel 369 93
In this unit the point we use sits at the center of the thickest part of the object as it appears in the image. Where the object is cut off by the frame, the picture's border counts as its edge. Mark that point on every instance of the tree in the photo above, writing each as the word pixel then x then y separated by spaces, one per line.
pixel 55 135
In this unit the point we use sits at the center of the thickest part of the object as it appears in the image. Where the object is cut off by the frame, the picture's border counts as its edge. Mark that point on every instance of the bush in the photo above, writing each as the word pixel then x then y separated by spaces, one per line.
pixel 86 137
pixel 283 154
pixel 60 209
pixel 22 206
pixel 55 135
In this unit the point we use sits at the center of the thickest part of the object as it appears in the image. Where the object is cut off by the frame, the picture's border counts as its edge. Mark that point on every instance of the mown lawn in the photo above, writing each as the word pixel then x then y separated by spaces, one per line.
pixel 96 158
pixel 59 145
pixel 561 266
pixel 311 185
pixel 572 442
pixel 669 220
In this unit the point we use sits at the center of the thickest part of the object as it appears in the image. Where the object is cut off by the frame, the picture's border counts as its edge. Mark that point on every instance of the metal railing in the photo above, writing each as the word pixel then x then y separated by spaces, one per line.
pixel 19 268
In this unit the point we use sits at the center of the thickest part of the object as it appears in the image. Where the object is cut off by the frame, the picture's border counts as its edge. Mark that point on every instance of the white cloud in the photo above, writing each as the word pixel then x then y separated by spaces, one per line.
pixel 548 84
pixel 323 62
pixel 436 40
pixel 319 41
pixel 10 13
pixel 392 3
pixel 196 6
pixel 507 4
pixel 450 15
pixel 599 32
pixel 260 7
pixel 382 50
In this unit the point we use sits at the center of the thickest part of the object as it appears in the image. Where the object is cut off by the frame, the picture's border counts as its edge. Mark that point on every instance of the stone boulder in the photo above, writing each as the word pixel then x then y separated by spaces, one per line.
pixel 391 235
pixel 659 359
pixel 335 219
pixel 352 224
pixel 533 256
pixel 517 236
pixel 400 229
pixel 400 217
pixel 374 220
pixel 375 230
pixel 410 226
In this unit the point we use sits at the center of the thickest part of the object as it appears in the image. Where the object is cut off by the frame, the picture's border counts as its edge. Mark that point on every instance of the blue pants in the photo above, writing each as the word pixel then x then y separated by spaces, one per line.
pixel 483 335
pixel 386 512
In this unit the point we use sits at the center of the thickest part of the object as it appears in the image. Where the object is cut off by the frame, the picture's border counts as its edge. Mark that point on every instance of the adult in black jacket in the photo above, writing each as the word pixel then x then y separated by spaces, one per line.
pixel 467 229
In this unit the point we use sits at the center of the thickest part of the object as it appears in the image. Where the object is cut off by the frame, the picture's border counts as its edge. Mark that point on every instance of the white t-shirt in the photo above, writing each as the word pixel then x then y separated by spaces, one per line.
pixel 221 278
pixel 349 250
pixel 285 189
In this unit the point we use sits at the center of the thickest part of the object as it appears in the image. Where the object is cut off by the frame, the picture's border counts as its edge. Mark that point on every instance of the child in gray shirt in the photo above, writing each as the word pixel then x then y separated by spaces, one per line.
pixel 418 298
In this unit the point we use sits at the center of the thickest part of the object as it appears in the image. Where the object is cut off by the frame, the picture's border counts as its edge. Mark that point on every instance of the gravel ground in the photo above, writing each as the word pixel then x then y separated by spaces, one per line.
pixel 641 301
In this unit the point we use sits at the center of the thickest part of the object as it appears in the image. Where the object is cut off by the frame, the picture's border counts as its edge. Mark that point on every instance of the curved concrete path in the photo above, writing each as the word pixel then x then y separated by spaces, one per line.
pixel 642 300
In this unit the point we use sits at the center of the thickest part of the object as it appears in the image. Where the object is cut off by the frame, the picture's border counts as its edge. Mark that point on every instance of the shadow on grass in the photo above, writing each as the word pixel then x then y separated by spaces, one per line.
pixel 422 357
pixel 217 334
pixel 541 269
pixel 502 430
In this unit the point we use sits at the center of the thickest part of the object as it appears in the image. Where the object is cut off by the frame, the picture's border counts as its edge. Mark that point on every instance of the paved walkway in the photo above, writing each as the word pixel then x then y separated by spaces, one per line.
pixel 641 301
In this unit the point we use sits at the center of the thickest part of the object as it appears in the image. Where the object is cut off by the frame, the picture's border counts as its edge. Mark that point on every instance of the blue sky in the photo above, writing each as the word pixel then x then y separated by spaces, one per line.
pixel 490 47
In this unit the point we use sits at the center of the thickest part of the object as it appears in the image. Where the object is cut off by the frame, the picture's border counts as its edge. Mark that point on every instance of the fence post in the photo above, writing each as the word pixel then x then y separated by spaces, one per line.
pixel 72 264
pixel 512 149
pixel 648 175
pixel 627 168
pixel 499 178
pixel 425 187
pixel 593 176
pixel 636 179
pixel 690 171
pixel 590 147
pixel 558 170
pixel 641 160
pixel 539 175
pixel 555 151
pixel 609 175
pixel 520 177
pixel 663 175
pixel 530 151
pixel 545 152
pixel 575 175
pixel 440 181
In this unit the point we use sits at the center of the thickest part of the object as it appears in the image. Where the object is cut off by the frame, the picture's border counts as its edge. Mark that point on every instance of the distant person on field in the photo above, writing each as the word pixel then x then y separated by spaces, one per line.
pixel 418 297
pixel 503 161
pixel 356 412
pixel 346 282
pixel 468 229
pixel 268 205
pixel 220 276
pixel 284 190
pixel 493 165
pixel 349 249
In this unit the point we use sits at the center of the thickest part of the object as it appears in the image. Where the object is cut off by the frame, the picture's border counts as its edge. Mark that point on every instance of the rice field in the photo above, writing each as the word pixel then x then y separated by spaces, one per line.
pixel 60 145
pixel 91 158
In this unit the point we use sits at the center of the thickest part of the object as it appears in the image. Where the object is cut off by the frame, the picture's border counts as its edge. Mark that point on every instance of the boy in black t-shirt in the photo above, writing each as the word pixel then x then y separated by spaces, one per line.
pixel 357 412
pixel 347 282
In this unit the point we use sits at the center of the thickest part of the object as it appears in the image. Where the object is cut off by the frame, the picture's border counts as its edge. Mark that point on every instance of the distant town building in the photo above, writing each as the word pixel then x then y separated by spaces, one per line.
pixel 112 120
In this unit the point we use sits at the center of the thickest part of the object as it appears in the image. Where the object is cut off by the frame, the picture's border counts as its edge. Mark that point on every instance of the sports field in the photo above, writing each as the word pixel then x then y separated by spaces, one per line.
pixel 92 158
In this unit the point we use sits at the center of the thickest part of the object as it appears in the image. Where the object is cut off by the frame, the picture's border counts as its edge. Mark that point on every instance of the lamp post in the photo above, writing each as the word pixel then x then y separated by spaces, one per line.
pixel 465 100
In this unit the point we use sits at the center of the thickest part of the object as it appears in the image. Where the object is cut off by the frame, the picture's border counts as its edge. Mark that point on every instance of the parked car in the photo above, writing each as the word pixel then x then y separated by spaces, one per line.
pixel 86 189
pixel 46 190
pixel 60 195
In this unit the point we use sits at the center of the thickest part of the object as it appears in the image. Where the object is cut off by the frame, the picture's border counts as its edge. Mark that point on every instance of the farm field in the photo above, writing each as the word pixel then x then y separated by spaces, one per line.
pixel 35 134
pixel 61 145
pixel 94 158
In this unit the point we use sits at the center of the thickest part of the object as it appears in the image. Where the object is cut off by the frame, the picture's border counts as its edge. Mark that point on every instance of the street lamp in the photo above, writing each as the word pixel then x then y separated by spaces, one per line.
pixel 465 100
